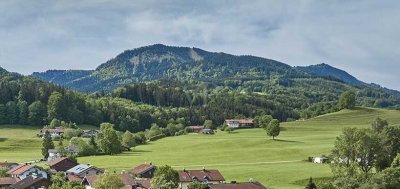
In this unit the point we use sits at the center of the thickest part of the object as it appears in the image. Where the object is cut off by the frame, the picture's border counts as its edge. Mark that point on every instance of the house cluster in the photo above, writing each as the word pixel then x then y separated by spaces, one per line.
pixel 58 132
pixel 28 176
pixel 239 123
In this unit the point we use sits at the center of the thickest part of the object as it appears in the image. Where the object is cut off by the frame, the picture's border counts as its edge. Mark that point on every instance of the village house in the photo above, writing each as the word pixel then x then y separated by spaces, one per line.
pixel 24 170
pixel 234 185
pixel 6 182
pixel 239 123
pixel 54 154
pixel 61 164
pixel 83 170
pixel 207 176
pixel 144 170
pixel 54 133
pixel 196 129
pixel 32 182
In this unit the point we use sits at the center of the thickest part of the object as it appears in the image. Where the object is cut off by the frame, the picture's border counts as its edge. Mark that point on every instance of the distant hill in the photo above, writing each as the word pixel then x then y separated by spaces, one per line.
pixel 173 63
pixel 311 84
pixel 329 71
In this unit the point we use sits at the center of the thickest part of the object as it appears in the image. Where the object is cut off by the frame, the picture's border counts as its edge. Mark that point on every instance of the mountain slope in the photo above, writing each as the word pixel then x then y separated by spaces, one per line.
pixel 304 86
pixel 326 70
pixel 173 63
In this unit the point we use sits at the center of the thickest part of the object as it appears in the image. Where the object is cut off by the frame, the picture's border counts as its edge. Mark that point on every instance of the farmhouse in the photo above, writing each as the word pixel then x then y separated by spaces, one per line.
pixel 83 170
pixel 239 123
pixel 24 170
pixel 144 170
pixel 234 185
pixel 196 129
pixel 207 176
pixel 30 182
pixel 56 132
pixel 61 164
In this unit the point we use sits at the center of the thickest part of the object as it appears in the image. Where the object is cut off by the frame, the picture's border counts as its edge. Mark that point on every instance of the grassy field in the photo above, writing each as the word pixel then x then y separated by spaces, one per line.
pixel 242 155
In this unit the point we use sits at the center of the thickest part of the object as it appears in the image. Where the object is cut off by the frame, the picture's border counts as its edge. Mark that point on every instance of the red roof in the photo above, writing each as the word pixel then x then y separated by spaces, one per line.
pixel 20 169
pixel 8 181
pixel 200 175
pixel 142 183
pixel 245 185
pixel 142 168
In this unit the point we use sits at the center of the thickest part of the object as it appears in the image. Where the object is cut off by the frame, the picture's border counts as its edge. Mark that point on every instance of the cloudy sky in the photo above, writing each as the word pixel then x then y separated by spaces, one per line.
pixel 361 37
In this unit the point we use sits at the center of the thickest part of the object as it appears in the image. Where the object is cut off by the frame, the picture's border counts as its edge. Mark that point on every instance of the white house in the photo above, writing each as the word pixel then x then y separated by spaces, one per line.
pixel 320 160
pixel 24 170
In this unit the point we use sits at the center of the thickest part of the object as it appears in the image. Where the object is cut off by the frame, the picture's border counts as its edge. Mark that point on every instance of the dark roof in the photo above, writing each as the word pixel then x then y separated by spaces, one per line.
pixel 142 168
pixel 142 183
pixel 58 160
pixel 28 181
pixel 200 175
pixel 244 185
pixel 8 180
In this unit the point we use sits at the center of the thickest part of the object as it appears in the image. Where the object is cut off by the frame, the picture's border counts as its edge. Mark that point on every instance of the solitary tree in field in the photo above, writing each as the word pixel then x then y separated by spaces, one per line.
pixel 347 100
pixel 47 144
pixel 262 121
pixel 273 129
pixel 108 140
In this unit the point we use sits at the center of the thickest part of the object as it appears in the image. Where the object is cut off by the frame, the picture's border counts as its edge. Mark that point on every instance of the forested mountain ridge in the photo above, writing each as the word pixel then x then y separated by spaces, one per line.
pixel 169 63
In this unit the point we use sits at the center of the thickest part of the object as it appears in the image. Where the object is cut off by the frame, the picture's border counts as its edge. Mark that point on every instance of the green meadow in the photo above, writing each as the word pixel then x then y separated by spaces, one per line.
pixel 241 155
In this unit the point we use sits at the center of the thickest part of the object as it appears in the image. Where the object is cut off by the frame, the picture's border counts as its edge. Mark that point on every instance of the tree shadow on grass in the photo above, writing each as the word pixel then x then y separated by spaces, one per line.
pixel 3 139
pixel 282 140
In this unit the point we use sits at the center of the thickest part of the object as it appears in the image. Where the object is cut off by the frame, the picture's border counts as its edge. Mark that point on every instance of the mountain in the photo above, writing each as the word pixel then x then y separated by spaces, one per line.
pixel 307 85
pixel 160 62
pixel 326 70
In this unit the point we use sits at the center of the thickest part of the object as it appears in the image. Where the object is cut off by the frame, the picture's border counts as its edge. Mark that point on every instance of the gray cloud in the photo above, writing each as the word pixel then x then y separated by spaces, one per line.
pixel 358 36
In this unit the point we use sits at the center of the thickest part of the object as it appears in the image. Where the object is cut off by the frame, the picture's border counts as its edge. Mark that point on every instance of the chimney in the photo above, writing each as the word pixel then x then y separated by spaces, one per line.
pixel 251 180
pixel 184 170
pixel 151 163
pixel 34 175
pixel 204 168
